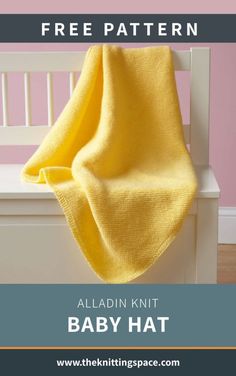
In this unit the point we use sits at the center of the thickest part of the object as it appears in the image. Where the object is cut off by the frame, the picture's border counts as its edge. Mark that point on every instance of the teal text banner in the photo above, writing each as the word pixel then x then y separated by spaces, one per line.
pixel 117 315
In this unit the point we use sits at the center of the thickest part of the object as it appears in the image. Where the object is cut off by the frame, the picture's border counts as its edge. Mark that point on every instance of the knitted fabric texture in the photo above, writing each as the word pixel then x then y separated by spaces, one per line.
pixel 117 162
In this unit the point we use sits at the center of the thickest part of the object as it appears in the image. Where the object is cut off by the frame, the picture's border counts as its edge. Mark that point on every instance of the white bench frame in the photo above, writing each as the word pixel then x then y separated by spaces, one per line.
pixel 195 60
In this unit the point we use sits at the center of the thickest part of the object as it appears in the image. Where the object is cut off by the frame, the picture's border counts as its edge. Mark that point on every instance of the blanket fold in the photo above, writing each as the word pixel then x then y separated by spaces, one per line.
pixel 117 161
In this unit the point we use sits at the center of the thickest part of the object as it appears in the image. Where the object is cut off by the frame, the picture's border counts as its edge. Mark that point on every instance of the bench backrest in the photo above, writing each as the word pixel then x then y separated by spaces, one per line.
pixel 195 60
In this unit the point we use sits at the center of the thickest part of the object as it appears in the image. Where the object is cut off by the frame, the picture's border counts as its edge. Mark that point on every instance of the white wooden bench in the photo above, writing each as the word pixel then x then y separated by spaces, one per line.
pixel 36 245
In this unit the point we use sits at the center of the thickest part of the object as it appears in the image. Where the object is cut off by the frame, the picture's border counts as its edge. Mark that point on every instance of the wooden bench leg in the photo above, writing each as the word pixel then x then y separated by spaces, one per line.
pixel 206 240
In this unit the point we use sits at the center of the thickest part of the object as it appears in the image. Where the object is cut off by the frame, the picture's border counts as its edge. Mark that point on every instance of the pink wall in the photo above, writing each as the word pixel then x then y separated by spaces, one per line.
pixel 118 6
pixel 223 79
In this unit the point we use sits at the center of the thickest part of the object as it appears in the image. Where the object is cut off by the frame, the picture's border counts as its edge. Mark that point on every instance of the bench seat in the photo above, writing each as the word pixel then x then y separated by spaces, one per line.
pixel 38 247
pixel 11 186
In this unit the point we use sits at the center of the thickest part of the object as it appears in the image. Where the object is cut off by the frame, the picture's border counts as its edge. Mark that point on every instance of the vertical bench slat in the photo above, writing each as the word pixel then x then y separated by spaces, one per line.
pixel 72 79
pixel 5 100
pixel 199 105
pixel 28 117
pixel 50 99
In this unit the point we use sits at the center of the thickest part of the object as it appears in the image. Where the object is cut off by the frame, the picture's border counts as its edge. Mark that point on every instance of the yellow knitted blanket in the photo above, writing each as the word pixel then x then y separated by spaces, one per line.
pixel 117 161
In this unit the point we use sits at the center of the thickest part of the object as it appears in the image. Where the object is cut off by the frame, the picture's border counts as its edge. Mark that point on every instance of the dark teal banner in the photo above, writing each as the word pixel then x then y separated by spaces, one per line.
pixel 117 28
pixel 117 315
pixel 116 362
